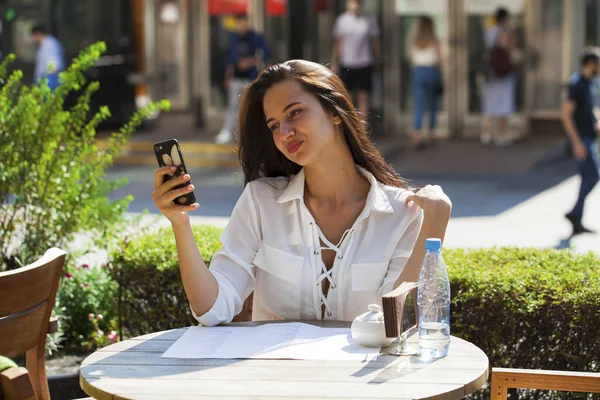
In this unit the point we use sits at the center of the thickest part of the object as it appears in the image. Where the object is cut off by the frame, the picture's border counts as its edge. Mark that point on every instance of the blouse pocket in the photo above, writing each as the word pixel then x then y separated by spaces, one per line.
pixel 368 277
pixel 283 265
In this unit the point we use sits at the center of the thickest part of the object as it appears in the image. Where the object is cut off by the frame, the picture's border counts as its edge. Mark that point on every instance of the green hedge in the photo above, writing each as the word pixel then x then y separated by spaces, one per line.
pixel 525 308
pixel 151 295
pixel 528 308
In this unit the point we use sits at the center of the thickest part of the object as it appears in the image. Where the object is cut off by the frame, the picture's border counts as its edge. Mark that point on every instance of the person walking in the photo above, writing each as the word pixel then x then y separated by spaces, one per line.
pixel 499 86
pixel 49 60
pixel 247 50
pixel 580 125
pixel 356 52
pixel 426 56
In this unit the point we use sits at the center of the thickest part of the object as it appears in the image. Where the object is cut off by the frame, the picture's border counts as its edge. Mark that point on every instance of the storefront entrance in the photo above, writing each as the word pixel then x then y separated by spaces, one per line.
pixel 550 34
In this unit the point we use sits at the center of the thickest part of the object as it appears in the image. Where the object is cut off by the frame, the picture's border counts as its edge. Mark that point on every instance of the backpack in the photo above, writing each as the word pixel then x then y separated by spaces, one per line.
pixel 500 62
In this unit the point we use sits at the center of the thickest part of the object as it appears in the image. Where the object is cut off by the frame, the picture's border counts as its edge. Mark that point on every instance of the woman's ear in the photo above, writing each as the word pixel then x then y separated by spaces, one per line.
pixel 336 120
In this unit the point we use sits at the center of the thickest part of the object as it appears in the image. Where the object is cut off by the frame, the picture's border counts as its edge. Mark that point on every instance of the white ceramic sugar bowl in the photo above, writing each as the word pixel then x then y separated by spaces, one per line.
pixel 368 329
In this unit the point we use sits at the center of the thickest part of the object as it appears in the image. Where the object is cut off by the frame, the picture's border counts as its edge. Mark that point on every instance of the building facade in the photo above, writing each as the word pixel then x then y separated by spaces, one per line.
pixel 181 47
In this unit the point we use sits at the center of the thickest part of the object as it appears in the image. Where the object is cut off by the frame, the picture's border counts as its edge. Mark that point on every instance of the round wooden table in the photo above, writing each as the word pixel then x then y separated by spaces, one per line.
pixel 134 369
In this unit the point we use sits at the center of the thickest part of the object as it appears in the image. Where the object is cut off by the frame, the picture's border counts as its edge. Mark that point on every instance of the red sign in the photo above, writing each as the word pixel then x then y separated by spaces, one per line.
pixel 319 6
pixel 276 8
pixel 219 7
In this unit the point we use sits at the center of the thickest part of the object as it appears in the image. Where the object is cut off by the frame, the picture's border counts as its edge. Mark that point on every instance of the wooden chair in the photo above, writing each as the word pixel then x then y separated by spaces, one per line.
pixel 15 384
pixel 504 379
pixel 26 300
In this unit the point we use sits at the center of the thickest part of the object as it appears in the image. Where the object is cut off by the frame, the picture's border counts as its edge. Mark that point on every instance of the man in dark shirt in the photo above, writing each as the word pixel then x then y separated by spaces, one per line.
pixel 247 50
pixel 579 122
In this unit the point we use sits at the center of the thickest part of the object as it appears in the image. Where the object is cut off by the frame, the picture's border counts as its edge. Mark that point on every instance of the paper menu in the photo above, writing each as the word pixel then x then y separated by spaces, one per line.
pixel 270 341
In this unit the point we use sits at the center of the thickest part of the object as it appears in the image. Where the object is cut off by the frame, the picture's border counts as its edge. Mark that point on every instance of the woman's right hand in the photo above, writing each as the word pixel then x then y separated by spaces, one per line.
pixel 164 194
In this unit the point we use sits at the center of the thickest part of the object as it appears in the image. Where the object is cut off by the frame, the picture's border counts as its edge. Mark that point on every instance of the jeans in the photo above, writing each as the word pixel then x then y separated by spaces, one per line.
pixel 425 82
pixel 588 170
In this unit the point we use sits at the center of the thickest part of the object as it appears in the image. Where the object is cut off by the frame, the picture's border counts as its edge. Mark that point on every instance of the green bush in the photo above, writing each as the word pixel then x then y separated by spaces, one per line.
pixel 52 182
pixel 525 308
pixel 87 308
pixel 151 295
pixel 528 308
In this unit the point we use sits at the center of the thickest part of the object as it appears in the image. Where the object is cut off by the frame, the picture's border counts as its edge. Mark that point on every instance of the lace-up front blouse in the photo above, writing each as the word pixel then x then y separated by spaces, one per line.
pixel 272 246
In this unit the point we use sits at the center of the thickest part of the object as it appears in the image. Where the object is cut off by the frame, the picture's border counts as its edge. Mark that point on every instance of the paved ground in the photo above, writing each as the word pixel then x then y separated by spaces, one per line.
pixel 501 196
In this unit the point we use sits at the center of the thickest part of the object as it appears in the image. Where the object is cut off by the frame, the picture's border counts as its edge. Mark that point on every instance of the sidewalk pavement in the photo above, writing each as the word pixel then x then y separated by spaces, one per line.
pixel 536 222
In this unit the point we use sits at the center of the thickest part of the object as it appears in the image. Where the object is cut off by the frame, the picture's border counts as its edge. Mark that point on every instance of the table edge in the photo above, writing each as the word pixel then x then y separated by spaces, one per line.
pixel 468 388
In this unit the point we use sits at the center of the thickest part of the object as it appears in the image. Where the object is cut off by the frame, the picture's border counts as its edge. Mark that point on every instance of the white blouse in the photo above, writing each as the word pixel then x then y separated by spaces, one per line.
pixel 426 57
pixel 272 246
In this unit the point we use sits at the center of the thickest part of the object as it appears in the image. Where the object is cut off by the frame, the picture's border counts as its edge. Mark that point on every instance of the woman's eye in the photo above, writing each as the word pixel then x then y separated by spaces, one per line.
pixel 296 112
pixel 274 127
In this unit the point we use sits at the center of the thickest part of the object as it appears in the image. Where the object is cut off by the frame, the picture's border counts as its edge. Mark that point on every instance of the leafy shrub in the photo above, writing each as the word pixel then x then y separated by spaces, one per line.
pixel 151 296
pixel 87 308
pixel 52 182
pixel 528 308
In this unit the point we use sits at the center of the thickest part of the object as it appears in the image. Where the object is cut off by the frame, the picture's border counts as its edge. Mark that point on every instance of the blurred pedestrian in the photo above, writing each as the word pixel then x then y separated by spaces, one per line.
pixel 427 85
pixel 356 52
pixel 49 60
pixel 499 86
pixel 247 50
pixel 580 125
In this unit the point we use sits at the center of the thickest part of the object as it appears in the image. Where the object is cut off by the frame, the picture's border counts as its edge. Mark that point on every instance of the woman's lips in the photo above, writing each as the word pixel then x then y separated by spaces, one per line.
pixel 294 147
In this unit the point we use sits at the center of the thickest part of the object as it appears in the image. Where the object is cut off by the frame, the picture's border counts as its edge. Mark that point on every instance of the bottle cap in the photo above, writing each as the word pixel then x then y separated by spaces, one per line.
pixel 433 244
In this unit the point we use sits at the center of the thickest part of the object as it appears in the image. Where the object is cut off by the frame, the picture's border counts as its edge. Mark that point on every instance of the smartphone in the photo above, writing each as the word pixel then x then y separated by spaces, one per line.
pixel 168 153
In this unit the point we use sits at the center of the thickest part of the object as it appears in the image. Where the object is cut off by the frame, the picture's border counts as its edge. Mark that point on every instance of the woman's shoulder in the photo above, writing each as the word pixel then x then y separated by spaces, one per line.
pixel 397 198
pixel 265 188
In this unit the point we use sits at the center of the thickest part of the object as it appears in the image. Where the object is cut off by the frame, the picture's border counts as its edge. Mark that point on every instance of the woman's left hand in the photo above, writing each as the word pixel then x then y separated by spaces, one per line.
pixel 432 200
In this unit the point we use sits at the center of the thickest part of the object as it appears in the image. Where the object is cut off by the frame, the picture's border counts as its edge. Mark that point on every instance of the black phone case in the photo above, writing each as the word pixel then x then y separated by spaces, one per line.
pixel 167 153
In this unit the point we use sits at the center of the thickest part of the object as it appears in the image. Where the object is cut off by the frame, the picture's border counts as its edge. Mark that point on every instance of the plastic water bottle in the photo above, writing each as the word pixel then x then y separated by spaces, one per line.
pixel 434 303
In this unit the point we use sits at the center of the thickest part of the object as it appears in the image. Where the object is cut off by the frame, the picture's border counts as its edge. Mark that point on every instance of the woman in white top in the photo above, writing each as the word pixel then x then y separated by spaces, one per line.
pixel 425 53
pixel 324 226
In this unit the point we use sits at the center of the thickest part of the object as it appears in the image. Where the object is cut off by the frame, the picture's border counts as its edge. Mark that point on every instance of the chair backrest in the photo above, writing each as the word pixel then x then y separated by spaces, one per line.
pixel 26 300
pixel 15 384
pixel 504 379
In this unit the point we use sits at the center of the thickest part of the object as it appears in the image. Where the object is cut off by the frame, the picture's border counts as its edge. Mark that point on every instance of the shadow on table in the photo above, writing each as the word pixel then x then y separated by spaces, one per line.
pixel 391 367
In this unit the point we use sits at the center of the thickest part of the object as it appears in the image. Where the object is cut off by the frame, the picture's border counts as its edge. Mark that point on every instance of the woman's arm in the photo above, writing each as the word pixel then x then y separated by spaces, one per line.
pixel 201 287
pixel 217 295
pixel 437 208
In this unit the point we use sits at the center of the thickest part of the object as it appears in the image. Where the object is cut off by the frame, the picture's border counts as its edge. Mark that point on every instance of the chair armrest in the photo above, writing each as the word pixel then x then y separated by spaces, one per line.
pixel 505 378
pixel 53 326
pixel 393 308
pixel 15 384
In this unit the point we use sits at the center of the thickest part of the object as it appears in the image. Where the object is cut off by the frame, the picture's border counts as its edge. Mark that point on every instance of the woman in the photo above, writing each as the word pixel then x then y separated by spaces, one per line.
pixel 425 54
pixel 324 226
pixel 498 91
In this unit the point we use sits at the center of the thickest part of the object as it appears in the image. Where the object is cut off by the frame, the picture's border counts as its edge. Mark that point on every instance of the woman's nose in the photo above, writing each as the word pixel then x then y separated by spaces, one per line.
pixel 286 129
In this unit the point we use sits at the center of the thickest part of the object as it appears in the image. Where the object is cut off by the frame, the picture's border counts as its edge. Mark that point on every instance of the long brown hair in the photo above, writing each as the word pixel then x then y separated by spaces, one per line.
pixel 258 154
pixel 425 33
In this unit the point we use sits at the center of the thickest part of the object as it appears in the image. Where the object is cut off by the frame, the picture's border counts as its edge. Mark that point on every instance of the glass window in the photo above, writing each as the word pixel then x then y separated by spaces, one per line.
pixel 78 24
pixel 480 18
pixel 408 12
pixel 592 14
pixel 547 83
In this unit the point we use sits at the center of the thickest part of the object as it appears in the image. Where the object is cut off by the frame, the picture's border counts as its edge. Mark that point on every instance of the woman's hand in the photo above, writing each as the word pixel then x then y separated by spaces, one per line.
pixel 433 201
pixel 164 194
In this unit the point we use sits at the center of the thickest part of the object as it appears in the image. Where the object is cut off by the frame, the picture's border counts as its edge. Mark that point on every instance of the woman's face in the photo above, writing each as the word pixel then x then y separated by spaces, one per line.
pixel 301 128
